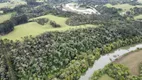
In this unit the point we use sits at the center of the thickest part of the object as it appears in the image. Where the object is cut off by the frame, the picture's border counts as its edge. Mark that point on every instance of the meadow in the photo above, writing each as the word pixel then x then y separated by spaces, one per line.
pixel 138 17
pixel 34 29
pixel 5 17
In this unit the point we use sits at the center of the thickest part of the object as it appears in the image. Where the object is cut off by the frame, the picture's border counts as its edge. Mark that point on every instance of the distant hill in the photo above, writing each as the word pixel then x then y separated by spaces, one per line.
pixel 106 1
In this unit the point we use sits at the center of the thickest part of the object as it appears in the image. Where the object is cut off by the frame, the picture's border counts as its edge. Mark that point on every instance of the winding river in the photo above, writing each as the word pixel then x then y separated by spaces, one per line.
pixel 108 58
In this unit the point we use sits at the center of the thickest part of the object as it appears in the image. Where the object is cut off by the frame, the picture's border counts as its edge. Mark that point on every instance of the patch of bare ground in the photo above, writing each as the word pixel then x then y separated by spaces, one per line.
pixel 132 61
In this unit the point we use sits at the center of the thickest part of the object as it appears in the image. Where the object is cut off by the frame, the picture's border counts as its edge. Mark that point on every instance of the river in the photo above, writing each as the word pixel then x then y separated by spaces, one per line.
pixel 108 58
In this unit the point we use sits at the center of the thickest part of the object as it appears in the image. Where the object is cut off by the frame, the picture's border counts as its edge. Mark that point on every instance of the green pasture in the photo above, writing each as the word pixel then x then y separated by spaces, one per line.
pixel 34 29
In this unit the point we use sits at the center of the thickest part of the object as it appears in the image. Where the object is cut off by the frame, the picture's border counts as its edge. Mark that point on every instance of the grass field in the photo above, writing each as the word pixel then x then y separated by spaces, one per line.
pixel 124 7
pixel 132 61
pixel 58 20
pixel 106 77
pixel 5 17
pixel 138 17
pixel 34 29
pixel 12 4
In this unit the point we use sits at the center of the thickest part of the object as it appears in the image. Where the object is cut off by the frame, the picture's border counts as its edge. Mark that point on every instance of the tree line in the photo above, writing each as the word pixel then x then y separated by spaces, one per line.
pixel 116 71
pixel 60 54
pixel 107 15
pixel 8 26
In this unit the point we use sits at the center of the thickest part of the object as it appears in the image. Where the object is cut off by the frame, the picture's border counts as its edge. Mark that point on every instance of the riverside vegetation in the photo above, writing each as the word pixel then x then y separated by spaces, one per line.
pixel 66 55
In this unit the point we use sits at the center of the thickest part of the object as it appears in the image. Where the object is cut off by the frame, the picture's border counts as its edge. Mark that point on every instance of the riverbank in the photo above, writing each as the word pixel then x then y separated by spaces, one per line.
pixel 132 61
pixel 107 59
pixel 126 67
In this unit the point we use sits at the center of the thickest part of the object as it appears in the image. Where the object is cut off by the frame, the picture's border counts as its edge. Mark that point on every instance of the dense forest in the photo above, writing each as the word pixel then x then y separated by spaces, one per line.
pixel 67 55
pixel 108 15
pixel 53 51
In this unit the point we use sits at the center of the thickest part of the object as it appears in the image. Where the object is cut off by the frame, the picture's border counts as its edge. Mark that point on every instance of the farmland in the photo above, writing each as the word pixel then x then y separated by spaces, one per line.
pixel 132 61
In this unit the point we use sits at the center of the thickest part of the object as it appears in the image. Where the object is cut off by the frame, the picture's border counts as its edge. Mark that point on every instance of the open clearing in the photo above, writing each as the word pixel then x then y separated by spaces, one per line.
pixel 34 29
pixel 138 17
pixel 5 17
pixel 132 61
pixel 124 7
pixel 12 3
pixel 106 77
pixel 58 20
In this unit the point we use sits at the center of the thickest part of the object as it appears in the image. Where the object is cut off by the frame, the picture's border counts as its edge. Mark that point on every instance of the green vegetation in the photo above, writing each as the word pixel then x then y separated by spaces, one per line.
pixel 63 45
pixel 132 61
pixel 116 71
pixel 11 4
pixel 34 29
pixel 5 17
pixel 138 17
pixel 140 69
pixel 123 68
pixel 106 77
pixel 108 16
pixel 58 20
pixel 8 25
pixel 66 55
pixel 100 2
pixel 124 7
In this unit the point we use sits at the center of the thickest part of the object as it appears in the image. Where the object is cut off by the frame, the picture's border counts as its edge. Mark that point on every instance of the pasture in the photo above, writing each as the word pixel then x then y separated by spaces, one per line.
pixel 106 77
pixel 34 29
pixel 138 17
pixel 5 17
pixel 132 61
pixel 124 7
